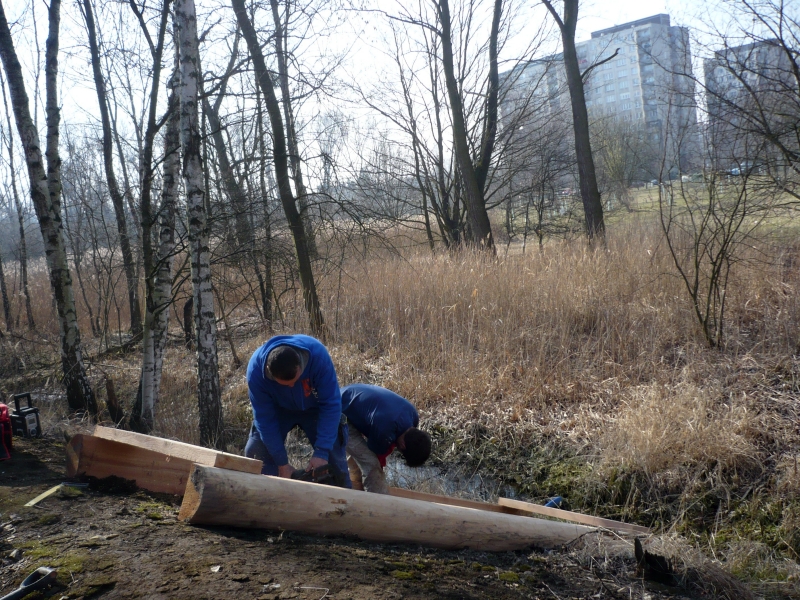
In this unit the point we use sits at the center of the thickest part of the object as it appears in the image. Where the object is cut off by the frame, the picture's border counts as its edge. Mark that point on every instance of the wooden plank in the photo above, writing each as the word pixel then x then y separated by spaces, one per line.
pixel 403 493
pixel 41 497
pixel 155 471
pixel 222 497
pixel 566 515
pixel 195 454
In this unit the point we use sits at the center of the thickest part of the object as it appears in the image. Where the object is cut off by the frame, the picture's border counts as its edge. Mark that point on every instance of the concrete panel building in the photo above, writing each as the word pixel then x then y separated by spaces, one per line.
pixel 647 83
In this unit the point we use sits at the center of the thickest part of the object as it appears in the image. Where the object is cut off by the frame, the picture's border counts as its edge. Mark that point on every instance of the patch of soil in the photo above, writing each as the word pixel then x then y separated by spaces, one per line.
pixel 110 541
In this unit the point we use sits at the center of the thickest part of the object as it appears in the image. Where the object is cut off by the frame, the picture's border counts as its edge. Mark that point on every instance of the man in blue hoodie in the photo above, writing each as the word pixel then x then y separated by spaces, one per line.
pixel 292 382
pixel 378 422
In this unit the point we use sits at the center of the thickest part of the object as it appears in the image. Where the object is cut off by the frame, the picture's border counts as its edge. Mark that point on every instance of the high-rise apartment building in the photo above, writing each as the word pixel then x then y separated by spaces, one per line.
pixel 648 83
pixel 753 106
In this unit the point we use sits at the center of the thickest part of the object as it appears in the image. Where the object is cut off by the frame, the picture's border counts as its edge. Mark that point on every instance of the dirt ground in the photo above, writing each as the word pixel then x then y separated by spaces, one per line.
pixel 111 541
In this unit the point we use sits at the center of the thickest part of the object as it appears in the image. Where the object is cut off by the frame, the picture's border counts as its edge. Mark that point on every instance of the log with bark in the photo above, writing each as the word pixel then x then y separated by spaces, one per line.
pixel 223 497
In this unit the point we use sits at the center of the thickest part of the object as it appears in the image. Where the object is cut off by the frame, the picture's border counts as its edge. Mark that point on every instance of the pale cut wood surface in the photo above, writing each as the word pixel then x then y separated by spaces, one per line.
pixel 223 497
pixel 97 457
pixel 567 515
pixel 197 454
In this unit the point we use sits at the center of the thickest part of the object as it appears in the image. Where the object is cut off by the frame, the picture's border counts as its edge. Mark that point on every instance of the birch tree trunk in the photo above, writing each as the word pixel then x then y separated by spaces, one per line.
pixel 142 414
pixel 158 272
pixel 23 246
pixel 46 196
pixel 4 294
pixel 282 171
pixel 111 179
pixel 209 401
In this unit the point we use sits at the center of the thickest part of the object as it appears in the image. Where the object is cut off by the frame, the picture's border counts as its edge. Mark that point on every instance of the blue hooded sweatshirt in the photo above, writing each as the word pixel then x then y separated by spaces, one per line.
pixel 316 390
pixel 380 414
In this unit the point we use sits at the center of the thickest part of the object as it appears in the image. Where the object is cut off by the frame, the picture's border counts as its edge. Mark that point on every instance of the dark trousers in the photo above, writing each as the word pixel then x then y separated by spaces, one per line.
pixel 307 421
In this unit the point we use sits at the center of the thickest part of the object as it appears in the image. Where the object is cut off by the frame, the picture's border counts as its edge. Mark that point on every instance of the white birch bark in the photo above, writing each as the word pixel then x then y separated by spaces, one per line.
pixel 166 243
pixel 45 189
pixel 210 406
pixel 158 282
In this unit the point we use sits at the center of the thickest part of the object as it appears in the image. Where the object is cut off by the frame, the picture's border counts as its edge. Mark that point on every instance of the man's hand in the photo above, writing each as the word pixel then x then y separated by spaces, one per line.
pixel 285 471
pixel 316 463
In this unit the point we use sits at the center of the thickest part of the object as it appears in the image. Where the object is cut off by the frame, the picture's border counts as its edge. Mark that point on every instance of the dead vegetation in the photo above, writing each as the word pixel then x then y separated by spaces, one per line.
pixel 568 372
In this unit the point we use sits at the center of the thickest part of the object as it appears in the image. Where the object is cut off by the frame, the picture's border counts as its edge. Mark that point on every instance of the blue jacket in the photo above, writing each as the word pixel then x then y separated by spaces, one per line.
pixel 316 390
pixel 380 414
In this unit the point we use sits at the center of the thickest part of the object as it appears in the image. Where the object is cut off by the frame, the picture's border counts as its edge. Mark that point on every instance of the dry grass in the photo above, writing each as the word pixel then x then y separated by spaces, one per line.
pixel 568 371
pixel 665 431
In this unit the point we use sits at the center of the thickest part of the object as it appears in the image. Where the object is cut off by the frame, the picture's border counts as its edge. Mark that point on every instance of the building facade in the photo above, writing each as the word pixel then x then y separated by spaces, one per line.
pixel 753 107
pixel 639 74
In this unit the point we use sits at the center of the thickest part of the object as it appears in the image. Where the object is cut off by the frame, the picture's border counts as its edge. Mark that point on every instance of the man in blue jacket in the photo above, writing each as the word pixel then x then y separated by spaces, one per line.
pixel 379 420
pixel 292 382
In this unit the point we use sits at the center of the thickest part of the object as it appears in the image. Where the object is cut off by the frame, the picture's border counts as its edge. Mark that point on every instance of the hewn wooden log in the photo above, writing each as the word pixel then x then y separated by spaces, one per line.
pixel 527 507
pixel 195 454
pixel 221 497
pixel 155 464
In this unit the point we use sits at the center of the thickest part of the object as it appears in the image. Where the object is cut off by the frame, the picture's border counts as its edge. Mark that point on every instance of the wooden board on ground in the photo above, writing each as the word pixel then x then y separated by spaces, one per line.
pixel 222 497
pixel 546 511
pixel 165 470
pixel 414 495
pixel 195 454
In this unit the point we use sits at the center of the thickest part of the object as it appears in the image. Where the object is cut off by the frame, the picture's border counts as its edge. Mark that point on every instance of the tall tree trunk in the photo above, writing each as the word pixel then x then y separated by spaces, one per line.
pixel 158 273
pixel 282 171
pixel 210 405
pixel 46 196
pixel 142 415
pixel 266 291
pixel 291 130
pixel 23 246
pixel 4 294
pixel 474 193
pixel 111 179
pixel 590 194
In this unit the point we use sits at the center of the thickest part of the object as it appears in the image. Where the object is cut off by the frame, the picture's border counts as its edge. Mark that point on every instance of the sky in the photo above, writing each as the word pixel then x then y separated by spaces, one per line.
pixel 601 14
pixel 78 96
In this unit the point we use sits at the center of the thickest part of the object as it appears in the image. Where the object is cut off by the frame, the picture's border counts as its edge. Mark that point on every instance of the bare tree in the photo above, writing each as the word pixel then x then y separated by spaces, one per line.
pixel 46 195
pixel 473 175
pixel 8 136
pixel 752 90
pixel 209 401
pixel 295 162
pixel 625 155
pixel 590 193
pixel 142 414
pixel 280 158
pixel 111 179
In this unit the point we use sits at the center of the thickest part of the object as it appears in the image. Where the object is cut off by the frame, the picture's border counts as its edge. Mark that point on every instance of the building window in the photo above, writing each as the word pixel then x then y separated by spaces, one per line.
pixel 610 99
pixel 607 76
pixel 622 74
pixel 624 96
pixel 609 88
pixel 625 105
pixel 622 84
pixel 636 81
pixel 634 60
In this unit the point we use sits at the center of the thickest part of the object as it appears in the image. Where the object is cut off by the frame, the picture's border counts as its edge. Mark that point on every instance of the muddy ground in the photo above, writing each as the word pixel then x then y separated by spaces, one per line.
pixel 110 541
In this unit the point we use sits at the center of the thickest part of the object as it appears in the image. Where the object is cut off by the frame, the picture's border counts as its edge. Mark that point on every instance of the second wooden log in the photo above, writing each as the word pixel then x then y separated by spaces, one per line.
pixel 221 497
